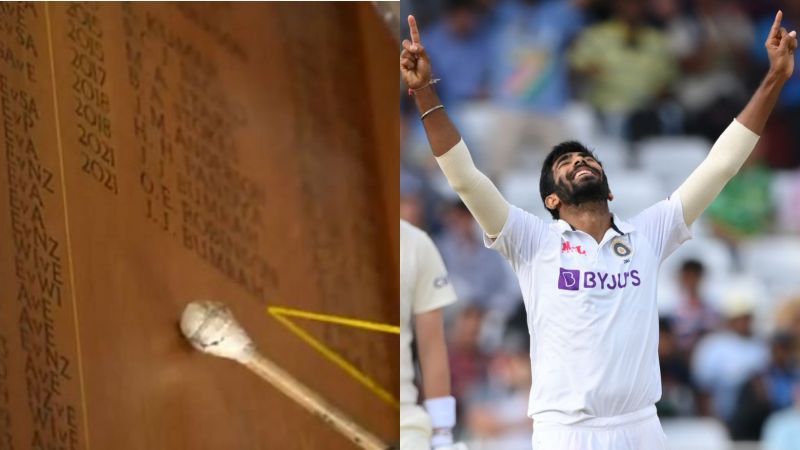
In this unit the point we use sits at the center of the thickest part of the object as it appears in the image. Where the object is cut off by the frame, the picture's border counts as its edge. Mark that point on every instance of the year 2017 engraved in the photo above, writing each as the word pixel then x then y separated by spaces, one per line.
pixel 92 107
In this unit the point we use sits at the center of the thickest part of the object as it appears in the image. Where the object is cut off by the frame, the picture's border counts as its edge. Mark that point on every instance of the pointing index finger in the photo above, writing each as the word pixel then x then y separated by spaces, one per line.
pixel 777 24
pixel 412 26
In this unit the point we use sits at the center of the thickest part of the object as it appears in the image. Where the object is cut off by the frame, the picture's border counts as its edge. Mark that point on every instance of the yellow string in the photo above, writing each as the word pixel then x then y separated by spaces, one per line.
pixel 278 313
pixel 355 323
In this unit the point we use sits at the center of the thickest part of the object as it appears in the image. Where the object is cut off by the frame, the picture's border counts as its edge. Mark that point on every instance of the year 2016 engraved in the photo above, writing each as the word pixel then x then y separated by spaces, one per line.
pixel 92 106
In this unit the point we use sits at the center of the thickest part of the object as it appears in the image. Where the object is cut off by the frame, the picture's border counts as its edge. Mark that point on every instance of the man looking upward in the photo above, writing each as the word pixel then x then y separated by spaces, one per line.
pixel 589 278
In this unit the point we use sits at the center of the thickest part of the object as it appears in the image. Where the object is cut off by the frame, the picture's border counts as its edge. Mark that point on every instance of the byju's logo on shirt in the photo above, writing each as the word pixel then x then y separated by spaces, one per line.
pixel 570 280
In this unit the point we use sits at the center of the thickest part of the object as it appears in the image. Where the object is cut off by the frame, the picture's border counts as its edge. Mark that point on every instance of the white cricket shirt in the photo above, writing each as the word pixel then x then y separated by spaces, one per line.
pixel 424 287
pixel 592 313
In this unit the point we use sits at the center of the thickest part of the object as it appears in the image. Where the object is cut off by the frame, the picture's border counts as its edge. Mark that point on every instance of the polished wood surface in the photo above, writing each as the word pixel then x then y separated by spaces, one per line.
pixel 158 153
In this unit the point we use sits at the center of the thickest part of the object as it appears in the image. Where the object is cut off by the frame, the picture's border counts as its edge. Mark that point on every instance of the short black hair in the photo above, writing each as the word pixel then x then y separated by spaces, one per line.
pixel 693 265
pixel 547 184
pixel 665 324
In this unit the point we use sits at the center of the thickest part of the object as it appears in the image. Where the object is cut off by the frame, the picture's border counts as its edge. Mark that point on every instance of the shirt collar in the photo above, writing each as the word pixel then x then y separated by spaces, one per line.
pixel 620 226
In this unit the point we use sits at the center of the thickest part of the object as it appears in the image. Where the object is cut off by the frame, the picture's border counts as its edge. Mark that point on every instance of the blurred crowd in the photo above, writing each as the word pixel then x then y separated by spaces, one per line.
pixel 645 83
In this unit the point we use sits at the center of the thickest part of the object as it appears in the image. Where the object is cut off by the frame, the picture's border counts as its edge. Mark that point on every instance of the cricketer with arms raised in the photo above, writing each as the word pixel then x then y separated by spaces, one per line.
pixel 592 315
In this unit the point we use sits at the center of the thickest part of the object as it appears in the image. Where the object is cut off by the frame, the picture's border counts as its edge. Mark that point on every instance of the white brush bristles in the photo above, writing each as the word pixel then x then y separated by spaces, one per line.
pixel 211 328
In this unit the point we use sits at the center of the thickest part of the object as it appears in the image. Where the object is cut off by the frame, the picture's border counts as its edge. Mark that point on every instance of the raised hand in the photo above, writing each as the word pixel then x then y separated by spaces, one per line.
pixel 414 63
pixel 780 48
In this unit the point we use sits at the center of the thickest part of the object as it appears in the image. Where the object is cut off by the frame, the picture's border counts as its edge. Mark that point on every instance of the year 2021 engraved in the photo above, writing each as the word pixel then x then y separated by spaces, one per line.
pixel 91 102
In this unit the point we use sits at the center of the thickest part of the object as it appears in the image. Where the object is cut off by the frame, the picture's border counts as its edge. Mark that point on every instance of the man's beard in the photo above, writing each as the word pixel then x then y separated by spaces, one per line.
pixel 576 193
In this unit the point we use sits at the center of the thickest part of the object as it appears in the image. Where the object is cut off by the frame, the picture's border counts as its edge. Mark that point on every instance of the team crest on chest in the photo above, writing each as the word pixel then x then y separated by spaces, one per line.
pixel 622 247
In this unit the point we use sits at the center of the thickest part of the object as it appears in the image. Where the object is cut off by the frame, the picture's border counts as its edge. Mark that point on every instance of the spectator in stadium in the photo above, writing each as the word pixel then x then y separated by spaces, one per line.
pixel 783 372
pixel 787 318
pixel 768 391
pixel 467 361
pixel 529 76
pixel 459 39
pixel 677 395
pixel 725 359
pixel 627 69
pixel 497 412
pixel 711 42
pixel 693 317
pixel 782 430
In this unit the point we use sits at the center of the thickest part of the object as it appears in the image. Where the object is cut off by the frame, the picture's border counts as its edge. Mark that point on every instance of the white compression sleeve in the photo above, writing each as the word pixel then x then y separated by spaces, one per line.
pixel 481 196
pixel 724 160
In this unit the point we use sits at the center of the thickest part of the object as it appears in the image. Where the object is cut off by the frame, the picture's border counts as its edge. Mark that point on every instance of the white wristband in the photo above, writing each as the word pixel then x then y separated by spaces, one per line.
pixel 442 439
pixel 442 411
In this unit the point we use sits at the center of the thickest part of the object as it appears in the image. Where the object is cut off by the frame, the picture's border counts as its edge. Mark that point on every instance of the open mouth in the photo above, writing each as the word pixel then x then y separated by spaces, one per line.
pixel 583 172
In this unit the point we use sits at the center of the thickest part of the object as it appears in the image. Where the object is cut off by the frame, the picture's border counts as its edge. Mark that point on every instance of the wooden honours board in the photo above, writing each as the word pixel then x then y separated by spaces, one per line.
pixel 159 153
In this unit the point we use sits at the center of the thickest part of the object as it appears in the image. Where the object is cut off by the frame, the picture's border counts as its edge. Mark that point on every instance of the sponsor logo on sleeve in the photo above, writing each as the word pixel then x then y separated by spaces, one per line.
pixel 440 282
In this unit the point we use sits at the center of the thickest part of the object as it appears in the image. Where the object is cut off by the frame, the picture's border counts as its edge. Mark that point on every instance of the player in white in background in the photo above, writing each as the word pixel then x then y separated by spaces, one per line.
pixel 589 278
pixel 424 291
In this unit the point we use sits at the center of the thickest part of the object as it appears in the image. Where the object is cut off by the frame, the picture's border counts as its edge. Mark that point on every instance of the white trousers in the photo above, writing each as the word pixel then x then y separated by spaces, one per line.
pixel 415 428
pixel 639 430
